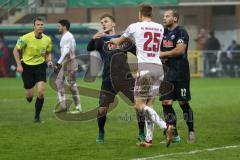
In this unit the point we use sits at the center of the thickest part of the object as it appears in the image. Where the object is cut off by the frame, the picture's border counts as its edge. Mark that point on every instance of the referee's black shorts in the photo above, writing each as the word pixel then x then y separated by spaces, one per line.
pixel 32 74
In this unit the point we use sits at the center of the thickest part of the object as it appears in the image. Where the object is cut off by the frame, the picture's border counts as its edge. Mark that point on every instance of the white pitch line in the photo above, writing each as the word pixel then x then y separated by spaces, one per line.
pixel 189 153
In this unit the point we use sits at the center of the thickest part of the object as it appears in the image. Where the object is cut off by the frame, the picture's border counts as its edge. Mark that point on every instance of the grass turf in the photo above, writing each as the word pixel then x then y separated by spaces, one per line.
pixel 216 105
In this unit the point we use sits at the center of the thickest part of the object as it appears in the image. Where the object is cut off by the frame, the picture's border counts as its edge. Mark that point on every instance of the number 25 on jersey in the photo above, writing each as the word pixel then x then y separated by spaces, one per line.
pixel 155 37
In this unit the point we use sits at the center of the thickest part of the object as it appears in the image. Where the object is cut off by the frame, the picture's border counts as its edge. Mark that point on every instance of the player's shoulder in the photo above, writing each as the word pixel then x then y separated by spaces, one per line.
pixel 67 36
pixel 181 29
pixel 158 25
pixel 46 37
pixel 133 27
pixel 28 35
pixel 135 24
pixel 150 24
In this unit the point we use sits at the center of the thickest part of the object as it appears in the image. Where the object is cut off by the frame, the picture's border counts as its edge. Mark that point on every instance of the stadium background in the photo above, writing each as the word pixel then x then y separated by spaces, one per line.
pixel 222 16
pixel 215 100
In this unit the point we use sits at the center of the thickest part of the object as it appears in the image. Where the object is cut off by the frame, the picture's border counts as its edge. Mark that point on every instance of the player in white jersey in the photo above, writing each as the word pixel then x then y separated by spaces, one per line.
pixel 67 67
pixel 148 36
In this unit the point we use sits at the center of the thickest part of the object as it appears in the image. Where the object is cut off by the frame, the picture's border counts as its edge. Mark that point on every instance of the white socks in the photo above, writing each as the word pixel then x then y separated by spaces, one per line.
pixel 149 130
pixel 79 107
pixel 153 116
pixel 62 98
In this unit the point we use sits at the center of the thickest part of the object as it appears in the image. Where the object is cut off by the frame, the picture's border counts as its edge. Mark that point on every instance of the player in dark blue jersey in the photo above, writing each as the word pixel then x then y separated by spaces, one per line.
pixel 115 71
pixel 174 55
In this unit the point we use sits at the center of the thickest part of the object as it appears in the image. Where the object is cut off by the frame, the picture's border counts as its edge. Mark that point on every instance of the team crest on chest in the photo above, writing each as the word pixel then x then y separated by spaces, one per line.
pixel 172 37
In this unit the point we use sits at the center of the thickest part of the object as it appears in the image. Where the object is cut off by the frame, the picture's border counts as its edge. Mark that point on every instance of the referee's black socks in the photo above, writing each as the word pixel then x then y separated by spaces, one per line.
pixel 29 99
pixel 38 107
pixel 188 115
pixel 101 119
pixel 101 123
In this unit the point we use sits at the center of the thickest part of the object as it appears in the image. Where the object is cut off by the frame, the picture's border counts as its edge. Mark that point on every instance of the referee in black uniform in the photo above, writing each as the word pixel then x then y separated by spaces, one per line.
pixel 174 55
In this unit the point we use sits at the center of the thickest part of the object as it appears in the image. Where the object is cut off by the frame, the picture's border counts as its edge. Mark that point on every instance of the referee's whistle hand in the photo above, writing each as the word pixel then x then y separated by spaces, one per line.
pixel 19 69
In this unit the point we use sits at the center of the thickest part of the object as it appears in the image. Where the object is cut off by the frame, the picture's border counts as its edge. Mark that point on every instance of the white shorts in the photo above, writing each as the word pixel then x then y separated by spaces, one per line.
pixel 149 78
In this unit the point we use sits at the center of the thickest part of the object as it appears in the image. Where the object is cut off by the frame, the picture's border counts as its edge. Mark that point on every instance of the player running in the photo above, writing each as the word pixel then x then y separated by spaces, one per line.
pixel 36 50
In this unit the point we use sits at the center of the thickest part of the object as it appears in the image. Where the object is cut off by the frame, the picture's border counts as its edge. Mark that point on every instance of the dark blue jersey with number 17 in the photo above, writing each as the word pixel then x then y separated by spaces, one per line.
pixel 176 68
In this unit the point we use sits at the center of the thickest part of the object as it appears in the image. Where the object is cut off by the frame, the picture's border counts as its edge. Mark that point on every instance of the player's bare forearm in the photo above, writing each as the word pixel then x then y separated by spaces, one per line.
pixel 16 56
pixel 118 40
pixel 179 50
pixel 18 61
pixel 48 56
pixel 49 59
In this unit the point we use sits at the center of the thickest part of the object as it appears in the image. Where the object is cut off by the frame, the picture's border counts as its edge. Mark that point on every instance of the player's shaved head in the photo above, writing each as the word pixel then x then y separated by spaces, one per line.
pixel 146 10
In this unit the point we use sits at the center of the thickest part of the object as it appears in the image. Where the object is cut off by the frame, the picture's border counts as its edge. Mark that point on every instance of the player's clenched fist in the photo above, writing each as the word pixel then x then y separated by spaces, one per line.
pixel 98 35
pixel 19 69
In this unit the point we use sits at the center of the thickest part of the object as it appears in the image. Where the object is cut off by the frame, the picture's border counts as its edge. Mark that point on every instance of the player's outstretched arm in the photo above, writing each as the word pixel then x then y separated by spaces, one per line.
pixel 179 50
pixel 118 40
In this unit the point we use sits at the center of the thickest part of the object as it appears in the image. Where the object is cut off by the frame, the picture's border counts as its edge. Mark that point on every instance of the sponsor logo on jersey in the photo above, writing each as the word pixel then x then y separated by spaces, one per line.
pixel 167 43
pixel 172 37
pixel 180 41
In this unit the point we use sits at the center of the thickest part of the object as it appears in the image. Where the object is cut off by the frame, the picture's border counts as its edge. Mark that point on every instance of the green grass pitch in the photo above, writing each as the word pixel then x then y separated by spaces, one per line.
pixel 216 104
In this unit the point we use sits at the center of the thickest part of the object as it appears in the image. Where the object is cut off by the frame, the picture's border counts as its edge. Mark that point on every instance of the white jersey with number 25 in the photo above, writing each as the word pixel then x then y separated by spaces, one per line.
pixel 148 36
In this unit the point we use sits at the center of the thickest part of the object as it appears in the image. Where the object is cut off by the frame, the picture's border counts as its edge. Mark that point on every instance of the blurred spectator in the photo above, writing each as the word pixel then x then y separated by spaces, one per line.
pixel 4 54
pixel 212 42
pixel 201 39
pixel 232 63
pixel 212 48
pixel 233 49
